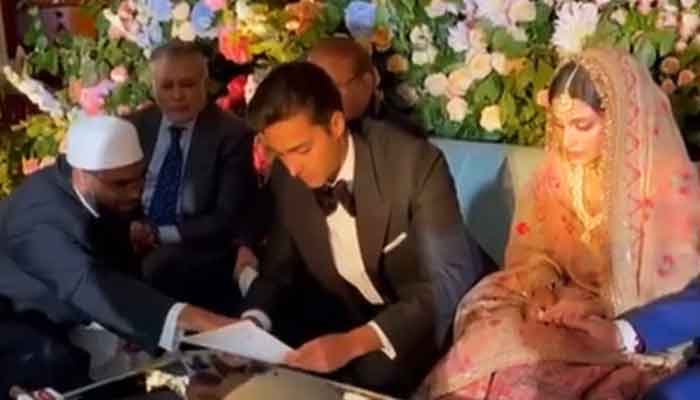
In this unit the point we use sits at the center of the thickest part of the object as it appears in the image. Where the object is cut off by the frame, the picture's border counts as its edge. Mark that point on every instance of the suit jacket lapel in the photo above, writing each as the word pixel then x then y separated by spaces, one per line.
pixel 200 155
pixel 308 225
pixel 150 131
pixel 373 210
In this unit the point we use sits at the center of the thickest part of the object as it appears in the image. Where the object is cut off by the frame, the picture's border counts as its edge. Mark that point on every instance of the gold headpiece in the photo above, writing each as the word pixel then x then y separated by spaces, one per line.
pixel 564 102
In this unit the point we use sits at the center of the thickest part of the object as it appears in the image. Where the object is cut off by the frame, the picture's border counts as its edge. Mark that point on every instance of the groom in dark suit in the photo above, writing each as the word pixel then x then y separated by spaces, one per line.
pixel 198 193
pixel 372 221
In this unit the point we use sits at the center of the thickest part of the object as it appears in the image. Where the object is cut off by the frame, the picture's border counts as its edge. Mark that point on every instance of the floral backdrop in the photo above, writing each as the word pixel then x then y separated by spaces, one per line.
pixel 465 69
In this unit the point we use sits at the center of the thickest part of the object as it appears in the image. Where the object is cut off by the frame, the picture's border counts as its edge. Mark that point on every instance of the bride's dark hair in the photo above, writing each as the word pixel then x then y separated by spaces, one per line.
pixel 581 86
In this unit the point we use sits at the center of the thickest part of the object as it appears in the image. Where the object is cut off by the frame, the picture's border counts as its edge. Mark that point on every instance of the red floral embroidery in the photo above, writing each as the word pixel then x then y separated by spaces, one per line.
pixel 522 228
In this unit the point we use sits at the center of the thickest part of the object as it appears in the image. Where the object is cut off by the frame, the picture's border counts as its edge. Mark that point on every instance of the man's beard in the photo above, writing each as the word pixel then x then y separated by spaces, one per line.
pixel 110 214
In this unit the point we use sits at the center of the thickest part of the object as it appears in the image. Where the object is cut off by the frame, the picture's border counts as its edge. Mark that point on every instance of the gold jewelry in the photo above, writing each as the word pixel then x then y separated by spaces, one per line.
pixel 564 102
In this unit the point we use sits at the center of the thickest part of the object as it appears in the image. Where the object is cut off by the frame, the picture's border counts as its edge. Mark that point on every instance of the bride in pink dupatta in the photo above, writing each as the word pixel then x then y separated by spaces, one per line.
pixel 609 222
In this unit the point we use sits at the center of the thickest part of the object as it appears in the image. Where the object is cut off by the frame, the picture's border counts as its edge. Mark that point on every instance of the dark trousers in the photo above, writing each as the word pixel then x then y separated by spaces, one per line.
pixel 35 353
pixel 313 312
pixel 199 276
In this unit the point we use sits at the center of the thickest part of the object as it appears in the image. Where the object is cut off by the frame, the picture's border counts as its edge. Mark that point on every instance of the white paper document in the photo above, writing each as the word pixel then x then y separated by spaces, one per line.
pixel 244 339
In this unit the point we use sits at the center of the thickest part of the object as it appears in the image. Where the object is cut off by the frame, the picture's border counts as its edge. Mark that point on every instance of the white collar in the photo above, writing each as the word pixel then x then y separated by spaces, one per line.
pixel 347 169
pixel 86 204
pixel 188 126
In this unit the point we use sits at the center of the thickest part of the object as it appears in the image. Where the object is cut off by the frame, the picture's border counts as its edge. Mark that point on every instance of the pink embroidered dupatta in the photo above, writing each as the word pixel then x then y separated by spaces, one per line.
pixel 646 245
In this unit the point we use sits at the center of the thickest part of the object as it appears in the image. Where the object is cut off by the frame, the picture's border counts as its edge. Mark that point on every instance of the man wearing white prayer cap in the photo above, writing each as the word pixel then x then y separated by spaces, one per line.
pixel 65 254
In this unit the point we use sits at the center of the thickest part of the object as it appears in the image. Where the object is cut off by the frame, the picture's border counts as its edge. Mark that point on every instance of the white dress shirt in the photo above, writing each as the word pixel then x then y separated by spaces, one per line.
pixel 345 247
pixel 167 233
pixel 170 335
pixel 630 339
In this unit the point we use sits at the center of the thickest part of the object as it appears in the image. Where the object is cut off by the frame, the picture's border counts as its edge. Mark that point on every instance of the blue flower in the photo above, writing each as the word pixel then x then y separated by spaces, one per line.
pixel 155 34
pixel 161 10
pixel 202 17
pixel 360 17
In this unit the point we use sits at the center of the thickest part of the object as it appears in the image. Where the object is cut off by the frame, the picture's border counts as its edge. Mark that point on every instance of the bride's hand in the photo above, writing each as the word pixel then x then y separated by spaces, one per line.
pixel 539 302
pixel 572 308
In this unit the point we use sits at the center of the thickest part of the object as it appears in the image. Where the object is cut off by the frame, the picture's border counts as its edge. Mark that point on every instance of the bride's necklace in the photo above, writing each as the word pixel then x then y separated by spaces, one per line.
pixel 576 185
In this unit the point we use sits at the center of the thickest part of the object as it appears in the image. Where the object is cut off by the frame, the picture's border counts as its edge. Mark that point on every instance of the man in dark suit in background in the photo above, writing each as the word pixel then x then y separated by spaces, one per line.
pixel 374 221
pixel 358 80
pixel 199 194
pixel 64 257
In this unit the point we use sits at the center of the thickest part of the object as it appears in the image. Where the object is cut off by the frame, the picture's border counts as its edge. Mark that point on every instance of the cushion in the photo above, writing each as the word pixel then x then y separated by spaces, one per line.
pixel 487 178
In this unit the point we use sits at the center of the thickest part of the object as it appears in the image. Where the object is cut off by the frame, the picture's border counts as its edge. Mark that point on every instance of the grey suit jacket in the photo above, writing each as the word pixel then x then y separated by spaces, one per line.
pixel 55 257
pixel 220 187
pixel 402 185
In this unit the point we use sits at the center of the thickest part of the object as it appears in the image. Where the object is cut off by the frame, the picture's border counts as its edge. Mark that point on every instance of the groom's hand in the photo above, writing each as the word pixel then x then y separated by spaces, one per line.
pixel 601 333
pixel 324 354
pixel 332 352
pixel 200 320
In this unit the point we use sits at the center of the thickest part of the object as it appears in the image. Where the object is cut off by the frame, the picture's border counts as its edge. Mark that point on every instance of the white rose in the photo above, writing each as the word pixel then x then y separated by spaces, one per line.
pixel 182 11
pixel 601 3
pixel 457 109
pixel 491 118
pixel 408 93
pixel 619 16
pixel 421 36
pixel 186 32
pixel 459 82
pixel 688 3
pixel 522 11
pixel 436 84
pixel 499 62
pixel 423 57
pixel 690 22
pixel 480 66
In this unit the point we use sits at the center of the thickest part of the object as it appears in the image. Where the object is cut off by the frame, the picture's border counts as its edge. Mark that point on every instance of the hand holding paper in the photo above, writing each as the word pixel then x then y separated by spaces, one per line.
pixel 244 339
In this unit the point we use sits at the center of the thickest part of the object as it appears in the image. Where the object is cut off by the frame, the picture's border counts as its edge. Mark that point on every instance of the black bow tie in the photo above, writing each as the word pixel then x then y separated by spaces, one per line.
pixel 329 196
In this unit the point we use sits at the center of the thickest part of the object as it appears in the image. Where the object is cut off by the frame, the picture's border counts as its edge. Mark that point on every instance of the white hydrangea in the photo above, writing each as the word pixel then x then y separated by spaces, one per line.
pixel 458 38
pixel 575 22
pixel 36 92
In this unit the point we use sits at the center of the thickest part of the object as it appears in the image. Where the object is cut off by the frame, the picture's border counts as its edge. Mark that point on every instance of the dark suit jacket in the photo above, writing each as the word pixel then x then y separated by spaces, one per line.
pixel 57 258
pixel 220 186
pixel 669 321
pixel 401 185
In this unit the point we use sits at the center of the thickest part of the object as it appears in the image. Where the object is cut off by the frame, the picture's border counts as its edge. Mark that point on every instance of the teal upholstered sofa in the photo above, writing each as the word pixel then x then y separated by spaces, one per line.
pixel 488 177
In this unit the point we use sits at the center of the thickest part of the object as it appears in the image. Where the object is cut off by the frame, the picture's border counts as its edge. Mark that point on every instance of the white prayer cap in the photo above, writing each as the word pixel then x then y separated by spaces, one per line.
pixel 102 142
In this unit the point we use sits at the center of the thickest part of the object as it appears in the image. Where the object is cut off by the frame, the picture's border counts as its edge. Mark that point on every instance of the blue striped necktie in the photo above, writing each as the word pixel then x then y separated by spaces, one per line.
pixel 163 207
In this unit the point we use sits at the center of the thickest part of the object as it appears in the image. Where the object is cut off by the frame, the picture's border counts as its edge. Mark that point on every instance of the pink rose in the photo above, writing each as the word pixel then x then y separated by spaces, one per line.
pixel 215 5
pixel 119 74
pixel 236 88
pixel 235 95
pixel 234 47
pixel 115 33
pixel 126 10
pixel 92 98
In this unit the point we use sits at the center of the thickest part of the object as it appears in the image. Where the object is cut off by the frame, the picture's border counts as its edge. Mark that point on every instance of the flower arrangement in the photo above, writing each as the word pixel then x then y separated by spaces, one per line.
pixel 478 67
pixel 467 69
